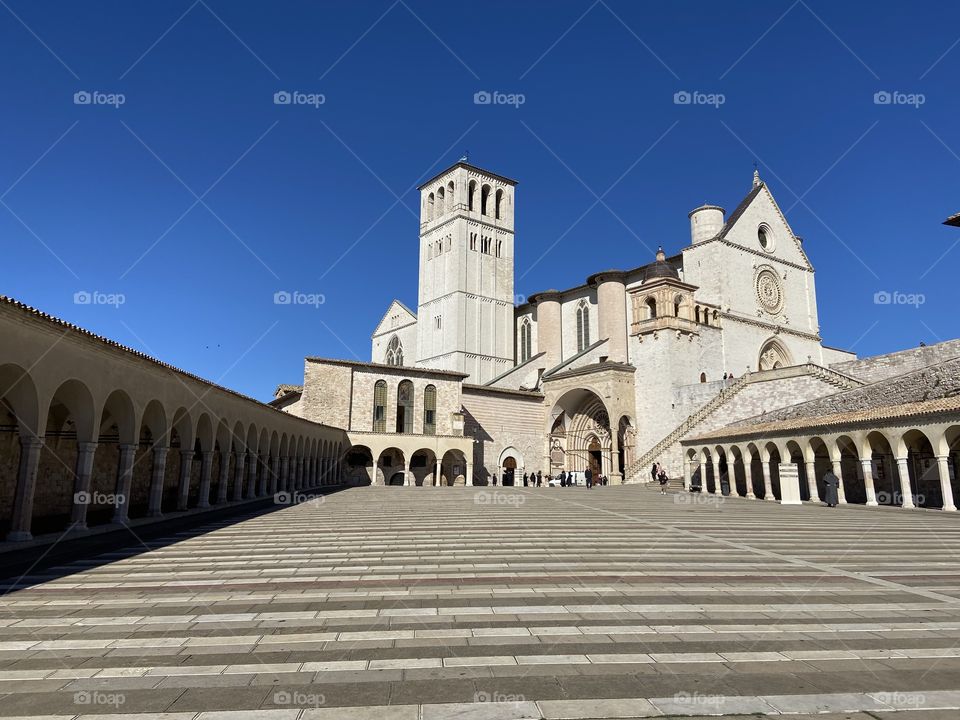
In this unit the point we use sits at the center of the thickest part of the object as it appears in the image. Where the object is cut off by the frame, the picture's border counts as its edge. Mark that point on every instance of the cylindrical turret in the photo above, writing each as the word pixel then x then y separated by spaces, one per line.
pixel 548 326
pixel 706 222
pixel 612 309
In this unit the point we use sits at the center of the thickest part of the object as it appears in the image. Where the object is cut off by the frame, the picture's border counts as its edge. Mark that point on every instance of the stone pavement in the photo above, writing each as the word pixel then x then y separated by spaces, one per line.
pixel 501 603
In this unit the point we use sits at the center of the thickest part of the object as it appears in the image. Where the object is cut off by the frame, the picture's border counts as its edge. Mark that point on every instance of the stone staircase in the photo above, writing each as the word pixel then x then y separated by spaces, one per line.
pixel 635 472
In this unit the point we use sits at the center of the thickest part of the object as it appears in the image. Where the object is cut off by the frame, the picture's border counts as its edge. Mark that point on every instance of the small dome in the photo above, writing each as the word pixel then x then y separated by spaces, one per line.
pixel 661 269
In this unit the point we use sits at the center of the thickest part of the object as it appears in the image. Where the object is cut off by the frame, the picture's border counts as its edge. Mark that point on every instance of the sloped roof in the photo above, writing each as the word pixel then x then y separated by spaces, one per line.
pixel 953 220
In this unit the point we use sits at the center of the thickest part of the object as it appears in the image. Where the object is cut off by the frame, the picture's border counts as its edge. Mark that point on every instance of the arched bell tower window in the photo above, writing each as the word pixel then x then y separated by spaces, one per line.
pixel 471 194
pixel 583 326
pixel 498 205
pixel 441 201
pixel 450 194
pixel 484 200
pixel 430 204
pixel 651 304
pixel 394 354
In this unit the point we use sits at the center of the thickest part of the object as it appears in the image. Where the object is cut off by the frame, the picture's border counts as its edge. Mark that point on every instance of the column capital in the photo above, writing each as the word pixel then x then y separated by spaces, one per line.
pixel 31 442
pixel 87 447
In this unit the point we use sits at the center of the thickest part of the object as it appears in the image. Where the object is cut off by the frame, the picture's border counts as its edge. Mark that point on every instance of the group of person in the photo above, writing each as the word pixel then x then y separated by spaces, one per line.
pixel 659 474
pixel 564 478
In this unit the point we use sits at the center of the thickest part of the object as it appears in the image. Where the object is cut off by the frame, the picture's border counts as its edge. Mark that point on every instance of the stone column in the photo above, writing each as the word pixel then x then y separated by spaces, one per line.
pixel 312 475
pixel 252 462
pixel 468 476
pixel 436 474
pixel 186 469
pixel 285 473
pixel 812 481
pixel 124 483
pixel 767 484
pixel 155 501
pixel 206 471
pixel 687 480
pixel 298 480
pixel 943 468
pixel 224 477
pixel 26 486
pixel 905 492
pixel 867 467
pixel 838 471
pixel 748 477
pixel 241 458
pixel 81 489
pixel 274 474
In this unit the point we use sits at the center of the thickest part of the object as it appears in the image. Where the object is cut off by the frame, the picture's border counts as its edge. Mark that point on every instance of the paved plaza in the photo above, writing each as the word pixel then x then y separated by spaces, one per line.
pixel 497 603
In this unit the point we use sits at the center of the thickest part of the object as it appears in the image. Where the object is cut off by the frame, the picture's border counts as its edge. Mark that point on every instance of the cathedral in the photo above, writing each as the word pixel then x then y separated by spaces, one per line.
pixel 603 375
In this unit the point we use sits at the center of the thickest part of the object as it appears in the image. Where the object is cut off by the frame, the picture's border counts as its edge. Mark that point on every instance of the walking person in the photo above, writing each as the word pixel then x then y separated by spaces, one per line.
pixel 539 478
pixel 563 478
pixel 662 479
pixel 525 476
pixel 588 476
pixel 831 484
pixel 654 471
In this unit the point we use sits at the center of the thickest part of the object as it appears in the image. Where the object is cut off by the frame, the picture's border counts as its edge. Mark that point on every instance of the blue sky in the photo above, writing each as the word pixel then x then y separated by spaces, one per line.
pixel 198 198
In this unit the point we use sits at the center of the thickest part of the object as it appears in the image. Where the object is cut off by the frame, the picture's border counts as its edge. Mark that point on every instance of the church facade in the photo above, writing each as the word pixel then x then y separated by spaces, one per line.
pixel 599 375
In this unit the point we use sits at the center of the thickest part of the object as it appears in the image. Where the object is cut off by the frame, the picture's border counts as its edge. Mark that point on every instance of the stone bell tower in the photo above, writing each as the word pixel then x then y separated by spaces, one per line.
pixel 466 299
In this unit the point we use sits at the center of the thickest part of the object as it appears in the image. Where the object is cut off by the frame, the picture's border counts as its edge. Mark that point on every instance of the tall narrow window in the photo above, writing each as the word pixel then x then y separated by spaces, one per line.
pixel 450 195
pixel 471 193
pixel 498 204
pixel 526 343
pixel 499 248
pixel 405 407
pixel 430 410
pixel 441 203
pixel 651 308
pixel 430 207
pixel 583 325
pixel 473 241
pixel 380 406
pixel 484 197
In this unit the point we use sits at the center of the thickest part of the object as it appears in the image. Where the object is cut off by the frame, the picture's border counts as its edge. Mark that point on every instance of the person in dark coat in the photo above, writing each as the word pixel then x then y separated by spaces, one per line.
pixel 654 471
pixel 831 484
pixel 563 478
pixel 662 479
pixel 539 478
pixel 588 476
pixel 525 477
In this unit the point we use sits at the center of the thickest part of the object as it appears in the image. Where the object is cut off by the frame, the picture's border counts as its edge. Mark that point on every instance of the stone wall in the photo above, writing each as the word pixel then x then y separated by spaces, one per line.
pixel 327 389
pixel 881 367
pixel 500 420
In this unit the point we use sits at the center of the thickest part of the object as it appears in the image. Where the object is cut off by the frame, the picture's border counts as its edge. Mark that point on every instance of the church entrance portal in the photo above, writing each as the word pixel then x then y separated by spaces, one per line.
pixel 595 454
pixel 509 470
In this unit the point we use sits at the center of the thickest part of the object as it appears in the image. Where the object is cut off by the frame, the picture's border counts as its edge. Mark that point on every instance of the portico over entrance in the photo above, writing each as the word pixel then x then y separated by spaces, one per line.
pixel 590 422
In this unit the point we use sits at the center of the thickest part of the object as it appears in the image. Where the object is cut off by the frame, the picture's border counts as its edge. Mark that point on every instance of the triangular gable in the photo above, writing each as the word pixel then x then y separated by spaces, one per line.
pixel 407 317
pixel 759 206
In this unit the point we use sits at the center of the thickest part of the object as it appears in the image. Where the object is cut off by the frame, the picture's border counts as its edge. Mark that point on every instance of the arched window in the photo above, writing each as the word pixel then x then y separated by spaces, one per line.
pixel 716 318
pixel 651 308
pixel 380 406
pixel 677 303
pixel 471 192
pixel 526 340
pixel 696 314
pixel 484 197
pixel 499 248
pixel 703 377
pixel 394 354
pixel 430 203
pixel 430 410
pixel 441 202
pixel 583 326
pixel 405 407
pixel 450 194
pixel 473 241
pixel 498 204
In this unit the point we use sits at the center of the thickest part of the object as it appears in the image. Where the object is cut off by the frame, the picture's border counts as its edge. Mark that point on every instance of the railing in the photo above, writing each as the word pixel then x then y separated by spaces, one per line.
pixel 831 377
